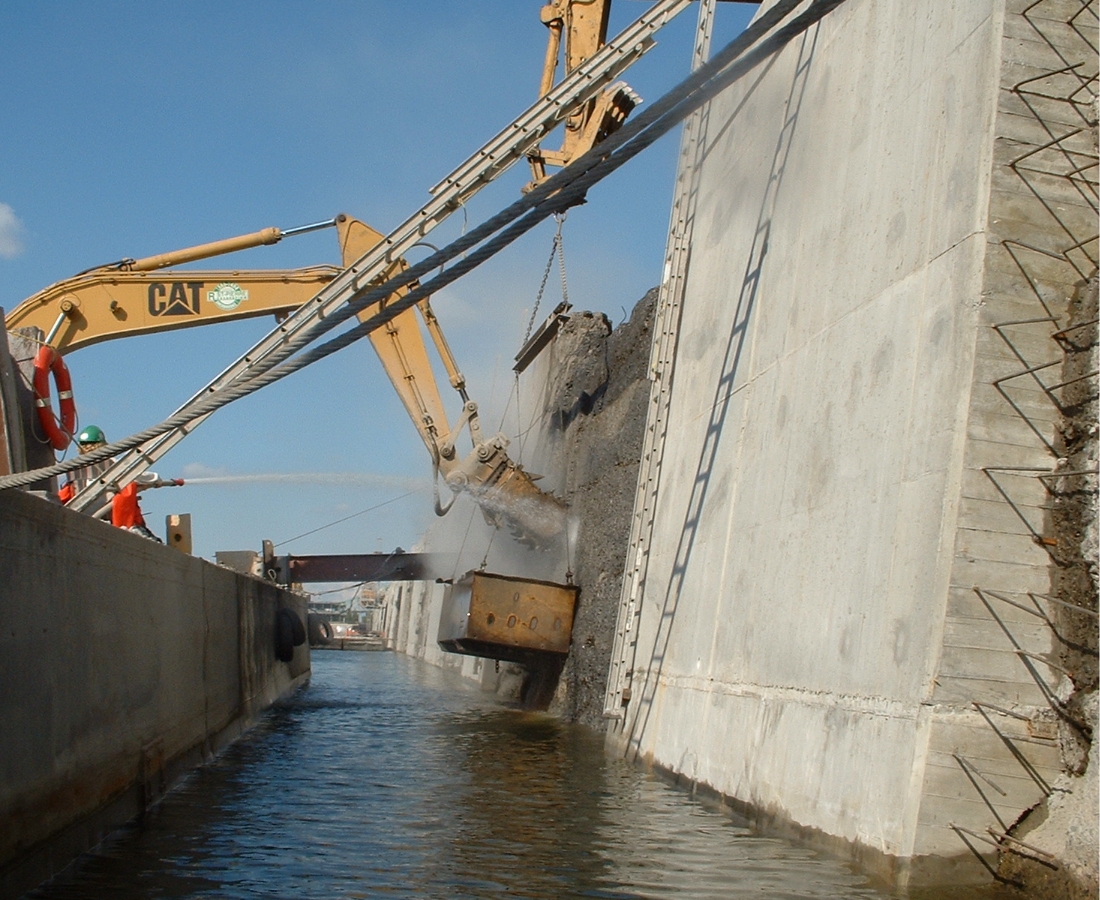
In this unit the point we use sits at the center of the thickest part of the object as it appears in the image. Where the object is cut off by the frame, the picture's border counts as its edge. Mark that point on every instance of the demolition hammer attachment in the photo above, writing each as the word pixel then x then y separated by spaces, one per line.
pixel 532 516
pixel 507 495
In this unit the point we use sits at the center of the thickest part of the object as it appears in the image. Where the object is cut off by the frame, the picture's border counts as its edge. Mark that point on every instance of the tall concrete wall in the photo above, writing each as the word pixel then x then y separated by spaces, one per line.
pixel 798 623
pixel 123 663
pixel 802 633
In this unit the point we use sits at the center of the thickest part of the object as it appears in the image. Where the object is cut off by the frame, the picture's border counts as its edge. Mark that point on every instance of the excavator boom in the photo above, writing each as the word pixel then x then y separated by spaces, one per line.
pixel 138 296
pixel 102 305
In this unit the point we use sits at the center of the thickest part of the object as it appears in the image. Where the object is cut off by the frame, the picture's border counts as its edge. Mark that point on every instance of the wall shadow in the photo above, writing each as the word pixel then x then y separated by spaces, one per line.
pixel 723 393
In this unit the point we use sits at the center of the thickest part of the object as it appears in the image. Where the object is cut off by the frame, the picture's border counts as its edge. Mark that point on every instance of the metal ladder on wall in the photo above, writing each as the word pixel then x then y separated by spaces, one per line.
pixel 662 356
pixel 483 167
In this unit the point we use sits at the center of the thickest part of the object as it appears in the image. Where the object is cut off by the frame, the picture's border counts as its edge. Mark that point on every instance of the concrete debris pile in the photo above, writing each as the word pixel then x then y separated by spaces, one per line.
pixel 596 401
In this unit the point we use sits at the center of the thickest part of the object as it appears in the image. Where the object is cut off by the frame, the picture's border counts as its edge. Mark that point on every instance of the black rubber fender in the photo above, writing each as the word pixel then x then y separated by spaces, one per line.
pixel 289 633
pixel 299 629
pixel 319 630
pixel 284 635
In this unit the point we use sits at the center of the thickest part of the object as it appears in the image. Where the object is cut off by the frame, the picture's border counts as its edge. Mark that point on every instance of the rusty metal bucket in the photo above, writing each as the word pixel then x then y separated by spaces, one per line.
pixel 507 618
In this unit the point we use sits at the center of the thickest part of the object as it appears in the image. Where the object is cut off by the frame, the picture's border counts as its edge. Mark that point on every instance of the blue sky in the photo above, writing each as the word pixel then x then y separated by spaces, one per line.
pixel 128 129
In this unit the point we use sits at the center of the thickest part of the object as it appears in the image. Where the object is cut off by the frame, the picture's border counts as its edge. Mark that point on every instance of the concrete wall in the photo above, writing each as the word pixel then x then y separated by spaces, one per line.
pixel 123 663
pixel 799 625
pixel 808 642
pixel 412 609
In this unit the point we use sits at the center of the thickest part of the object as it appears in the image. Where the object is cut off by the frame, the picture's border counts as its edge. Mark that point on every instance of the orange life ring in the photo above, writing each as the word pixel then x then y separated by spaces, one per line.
pixel 59 433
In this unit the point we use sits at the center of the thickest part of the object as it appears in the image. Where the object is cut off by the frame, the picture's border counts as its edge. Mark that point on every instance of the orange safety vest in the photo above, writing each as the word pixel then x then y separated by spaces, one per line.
pixel 125 511
pixel 67 492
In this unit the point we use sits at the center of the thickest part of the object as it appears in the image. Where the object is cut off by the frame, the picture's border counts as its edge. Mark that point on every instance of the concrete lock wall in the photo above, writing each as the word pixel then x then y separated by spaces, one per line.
pixel 413 610
pixel 803 635
pixel 810 622
pixel 123 664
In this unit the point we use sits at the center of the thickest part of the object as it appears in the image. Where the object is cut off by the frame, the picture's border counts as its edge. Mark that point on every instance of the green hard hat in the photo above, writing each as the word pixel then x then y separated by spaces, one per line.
pixel 93 434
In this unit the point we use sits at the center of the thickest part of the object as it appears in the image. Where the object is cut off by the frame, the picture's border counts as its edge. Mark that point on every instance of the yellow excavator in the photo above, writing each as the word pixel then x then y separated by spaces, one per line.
pixel 483 612
pixel 141 296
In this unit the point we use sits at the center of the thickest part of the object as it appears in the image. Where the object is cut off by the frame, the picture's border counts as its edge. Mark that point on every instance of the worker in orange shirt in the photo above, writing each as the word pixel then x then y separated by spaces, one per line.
pixel 126 510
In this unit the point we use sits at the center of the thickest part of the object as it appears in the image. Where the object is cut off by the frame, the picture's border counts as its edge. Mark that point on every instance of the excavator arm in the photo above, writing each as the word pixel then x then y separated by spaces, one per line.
pixel 577 29
pixel 91 307
pixel 142 296
pixel 505 492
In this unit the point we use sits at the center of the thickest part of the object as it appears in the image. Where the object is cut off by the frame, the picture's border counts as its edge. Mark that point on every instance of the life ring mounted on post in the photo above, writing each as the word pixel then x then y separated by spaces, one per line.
pixel 59 430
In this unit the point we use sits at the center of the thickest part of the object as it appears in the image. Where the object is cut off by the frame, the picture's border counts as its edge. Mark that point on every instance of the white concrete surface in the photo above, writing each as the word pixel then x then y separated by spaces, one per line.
pixel 809 642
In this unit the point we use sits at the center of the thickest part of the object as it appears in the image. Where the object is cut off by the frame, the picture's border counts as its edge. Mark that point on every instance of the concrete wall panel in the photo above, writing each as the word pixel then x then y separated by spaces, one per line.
pixel 781 751
pixel 807 625
pixel 123 664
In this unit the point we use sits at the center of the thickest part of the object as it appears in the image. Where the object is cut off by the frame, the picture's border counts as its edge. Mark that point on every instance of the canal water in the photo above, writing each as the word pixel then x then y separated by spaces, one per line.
pixel 389 778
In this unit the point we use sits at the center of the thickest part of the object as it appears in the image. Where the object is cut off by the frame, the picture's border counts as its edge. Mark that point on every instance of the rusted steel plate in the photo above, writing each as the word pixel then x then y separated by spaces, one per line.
pixel 502 617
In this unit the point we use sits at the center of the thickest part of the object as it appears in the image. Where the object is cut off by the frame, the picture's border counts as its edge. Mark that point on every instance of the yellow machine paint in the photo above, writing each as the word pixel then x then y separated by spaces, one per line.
pixel 577 30
pixel 134 297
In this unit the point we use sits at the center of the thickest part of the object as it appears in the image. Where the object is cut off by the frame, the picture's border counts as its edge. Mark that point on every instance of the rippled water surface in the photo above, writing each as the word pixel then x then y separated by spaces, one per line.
pixel 388 778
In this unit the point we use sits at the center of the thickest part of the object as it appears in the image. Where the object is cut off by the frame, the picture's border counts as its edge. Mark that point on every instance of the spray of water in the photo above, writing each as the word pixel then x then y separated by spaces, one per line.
pixel 344 479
